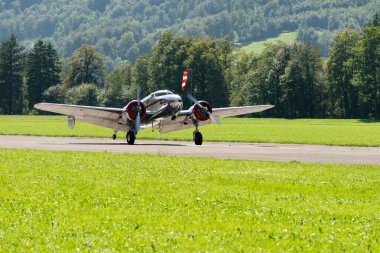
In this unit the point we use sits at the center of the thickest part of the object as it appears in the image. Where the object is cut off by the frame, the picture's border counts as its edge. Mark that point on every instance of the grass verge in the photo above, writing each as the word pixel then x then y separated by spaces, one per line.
pixel 304 131
pixel 66 201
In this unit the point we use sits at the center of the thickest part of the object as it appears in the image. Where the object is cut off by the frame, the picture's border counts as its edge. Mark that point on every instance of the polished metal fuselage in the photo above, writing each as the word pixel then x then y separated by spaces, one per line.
pixel 161 104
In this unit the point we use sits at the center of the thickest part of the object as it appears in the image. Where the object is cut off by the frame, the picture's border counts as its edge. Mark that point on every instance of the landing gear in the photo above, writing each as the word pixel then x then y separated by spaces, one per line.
pixel 131 137
pixel 114 136
pixel 197 136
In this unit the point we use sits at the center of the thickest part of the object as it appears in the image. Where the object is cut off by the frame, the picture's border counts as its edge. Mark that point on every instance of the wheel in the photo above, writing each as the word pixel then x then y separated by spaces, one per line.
pixel 114 136
pixel 198 139
pixel 131 137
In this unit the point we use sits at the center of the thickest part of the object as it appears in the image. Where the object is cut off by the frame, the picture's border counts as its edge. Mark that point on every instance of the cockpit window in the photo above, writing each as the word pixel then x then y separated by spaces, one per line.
pixel 157 94
pixel 162 93
pixel 146 98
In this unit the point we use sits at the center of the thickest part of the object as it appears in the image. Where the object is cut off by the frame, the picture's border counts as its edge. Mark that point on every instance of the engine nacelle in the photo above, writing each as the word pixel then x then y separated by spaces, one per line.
pixel 202 114
pixel 131 110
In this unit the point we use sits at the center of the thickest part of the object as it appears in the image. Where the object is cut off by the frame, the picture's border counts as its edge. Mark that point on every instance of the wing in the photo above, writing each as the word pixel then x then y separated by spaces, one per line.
pixel 102 116
pixel 80 110
pixel 186 120
pixel 235 111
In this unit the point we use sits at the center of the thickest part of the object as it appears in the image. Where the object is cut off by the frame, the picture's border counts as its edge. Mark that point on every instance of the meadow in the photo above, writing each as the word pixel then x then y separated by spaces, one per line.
pixel 101 202
pixel 259 46
pixel 305 131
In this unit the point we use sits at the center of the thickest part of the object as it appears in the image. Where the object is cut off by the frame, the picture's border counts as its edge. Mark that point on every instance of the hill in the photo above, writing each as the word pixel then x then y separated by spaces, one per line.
pixel 124 29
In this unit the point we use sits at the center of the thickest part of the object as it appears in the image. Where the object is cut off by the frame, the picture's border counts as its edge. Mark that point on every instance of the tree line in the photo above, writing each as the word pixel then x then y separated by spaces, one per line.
pixel 293 77
pixel 124 29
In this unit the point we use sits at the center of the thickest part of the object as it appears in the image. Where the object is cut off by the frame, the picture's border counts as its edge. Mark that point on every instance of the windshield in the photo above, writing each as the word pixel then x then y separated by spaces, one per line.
pixel 160 94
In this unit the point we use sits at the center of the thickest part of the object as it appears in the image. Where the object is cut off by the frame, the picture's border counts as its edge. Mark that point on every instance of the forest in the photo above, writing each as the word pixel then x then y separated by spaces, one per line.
pixel 125 29
pixel 293 77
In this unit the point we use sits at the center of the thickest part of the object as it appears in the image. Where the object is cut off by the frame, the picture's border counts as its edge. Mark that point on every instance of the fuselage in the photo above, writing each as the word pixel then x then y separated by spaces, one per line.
pixel 162 103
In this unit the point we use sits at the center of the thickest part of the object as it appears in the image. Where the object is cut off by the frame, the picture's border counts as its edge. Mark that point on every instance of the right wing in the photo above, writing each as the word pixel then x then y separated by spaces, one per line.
pixel 102 116
pixel 186 120
pixel 240 110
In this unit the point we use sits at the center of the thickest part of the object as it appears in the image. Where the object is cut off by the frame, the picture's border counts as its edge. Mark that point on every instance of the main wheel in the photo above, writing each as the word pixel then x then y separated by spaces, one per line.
pixel 131 137
pixel 114 136
pixel 198 139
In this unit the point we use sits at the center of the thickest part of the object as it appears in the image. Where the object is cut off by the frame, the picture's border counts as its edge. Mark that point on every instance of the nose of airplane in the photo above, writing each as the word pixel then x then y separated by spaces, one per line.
pixel 176 101
pixel 178 98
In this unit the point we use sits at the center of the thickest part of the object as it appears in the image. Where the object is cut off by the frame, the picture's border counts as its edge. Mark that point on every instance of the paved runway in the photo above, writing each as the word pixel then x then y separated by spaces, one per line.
pixel 270 152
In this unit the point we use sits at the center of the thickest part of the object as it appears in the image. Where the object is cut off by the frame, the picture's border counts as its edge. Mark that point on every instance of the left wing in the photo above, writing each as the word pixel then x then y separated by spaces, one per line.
pixel 186 120
pixel 102 116
pixel 81 110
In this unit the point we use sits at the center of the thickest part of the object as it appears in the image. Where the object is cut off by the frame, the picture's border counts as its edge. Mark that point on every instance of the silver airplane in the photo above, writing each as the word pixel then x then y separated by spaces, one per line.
pixel 160 110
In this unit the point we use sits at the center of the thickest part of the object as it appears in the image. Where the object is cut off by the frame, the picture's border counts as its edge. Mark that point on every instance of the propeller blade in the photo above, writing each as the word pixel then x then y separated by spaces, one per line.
pixel 138 116
pixel 214 119
pixel 137 122
pixel 194 100
pixel 138 93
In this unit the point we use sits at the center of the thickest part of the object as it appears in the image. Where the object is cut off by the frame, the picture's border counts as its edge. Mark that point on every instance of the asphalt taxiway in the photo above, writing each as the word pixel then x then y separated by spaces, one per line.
pixel 254 151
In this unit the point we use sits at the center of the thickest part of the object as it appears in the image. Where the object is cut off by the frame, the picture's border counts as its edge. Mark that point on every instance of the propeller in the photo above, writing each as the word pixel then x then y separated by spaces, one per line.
pixel 195 101
pixel 138 116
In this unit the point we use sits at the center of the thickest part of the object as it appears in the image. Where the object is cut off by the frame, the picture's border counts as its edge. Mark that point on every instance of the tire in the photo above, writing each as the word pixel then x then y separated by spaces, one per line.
pixel 198 138
pixel 131 137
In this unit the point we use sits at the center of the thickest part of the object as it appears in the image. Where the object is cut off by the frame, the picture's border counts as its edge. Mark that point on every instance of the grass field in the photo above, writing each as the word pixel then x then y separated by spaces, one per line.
pixel 101 202
pixel 259 46
pixel 314 131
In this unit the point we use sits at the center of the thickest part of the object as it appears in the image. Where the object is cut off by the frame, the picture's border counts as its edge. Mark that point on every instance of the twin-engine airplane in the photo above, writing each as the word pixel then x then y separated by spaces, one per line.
pixel 160 110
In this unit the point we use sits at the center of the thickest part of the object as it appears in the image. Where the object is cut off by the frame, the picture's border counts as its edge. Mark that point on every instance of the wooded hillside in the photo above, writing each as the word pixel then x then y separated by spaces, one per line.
pixel 124 29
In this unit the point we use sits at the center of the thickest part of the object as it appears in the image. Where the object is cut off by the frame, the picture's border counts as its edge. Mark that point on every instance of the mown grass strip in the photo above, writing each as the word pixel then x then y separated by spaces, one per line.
pixel 305 131
pixel 66 201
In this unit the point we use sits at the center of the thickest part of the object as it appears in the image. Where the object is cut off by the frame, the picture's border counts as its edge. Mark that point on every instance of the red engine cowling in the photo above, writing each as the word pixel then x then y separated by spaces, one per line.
pixel 131 110
pixel 202 114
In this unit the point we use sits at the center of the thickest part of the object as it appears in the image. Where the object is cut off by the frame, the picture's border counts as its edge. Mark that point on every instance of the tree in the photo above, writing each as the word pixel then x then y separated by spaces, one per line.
pixel 83 94
pixel 43 70
pixel 55 94
pixel 85 66
pixel 207 62
pixel 167 61
pixel 301 83
pixel 263 85
pixel 240 78
pixel 367 76
pixel 287 76
pixel 376 20
pixel 11 85
pixel 280 61
pixel 340 71
pixel 142 75
pixel 127 41
pixel 118 90
pixel 98 5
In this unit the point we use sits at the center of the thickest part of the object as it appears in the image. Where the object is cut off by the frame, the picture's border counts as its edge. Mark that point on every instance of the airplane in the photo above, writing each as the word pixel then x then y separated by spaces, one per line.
pixel 160 110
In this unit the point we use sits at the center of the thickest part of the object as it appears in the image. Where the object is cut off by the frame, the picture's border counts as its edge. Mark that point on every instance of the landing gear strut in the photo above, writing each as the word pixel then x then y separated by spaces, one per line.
pixel 131 137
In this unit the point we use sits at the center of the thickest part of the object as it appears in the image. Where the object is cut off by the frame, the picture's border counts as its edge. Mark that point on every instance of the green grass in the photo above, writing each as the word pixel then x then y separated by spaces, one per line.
pixel 259 46
pixel 101 202
pixel 307 131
